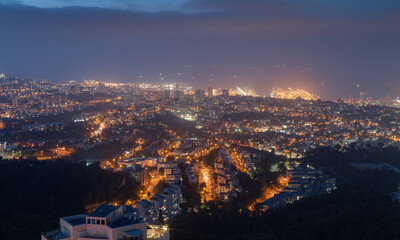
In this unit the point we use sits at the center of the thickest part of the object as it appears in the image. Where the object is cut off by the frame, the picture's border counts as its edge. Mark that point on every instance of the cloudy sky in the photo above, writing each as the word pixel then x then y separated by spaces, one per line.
pixel 327 46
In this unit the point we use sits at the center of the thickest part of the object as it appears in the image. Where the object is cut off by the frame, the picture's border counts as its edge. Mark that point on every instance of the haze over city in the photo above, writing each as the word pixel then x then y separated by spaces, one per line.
pixel 332 48
pixel 199 119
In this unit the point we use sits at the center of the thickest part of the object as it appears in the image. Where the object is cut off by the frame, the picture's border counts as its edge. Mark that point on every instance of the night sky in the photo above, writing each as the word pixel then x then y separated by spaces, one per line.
pixel 327 46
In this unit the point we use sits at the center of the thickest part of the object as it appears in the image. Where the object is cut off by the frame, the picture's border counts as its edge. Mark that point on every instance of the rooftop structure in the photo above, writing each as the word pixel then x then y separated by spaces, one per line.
pixel 105 222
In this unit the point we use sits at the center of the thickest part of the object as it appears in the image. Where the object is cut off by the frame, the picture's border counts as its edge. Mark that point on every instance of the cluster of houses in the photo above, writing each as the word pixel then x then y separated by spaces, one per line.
pixel 189 146
pixel 227 182
pixel 304 182
pixel 245 160
pixel 192 171
pixel 167 169
pixel 170 171
pixel 161 207
pixel 166 205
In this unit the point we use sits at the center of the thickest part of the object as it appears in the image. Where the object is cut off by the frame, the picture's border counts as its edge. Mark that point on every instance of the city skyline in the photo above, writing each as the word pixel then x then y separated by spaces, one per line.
pixel 259 44
pixel 144 161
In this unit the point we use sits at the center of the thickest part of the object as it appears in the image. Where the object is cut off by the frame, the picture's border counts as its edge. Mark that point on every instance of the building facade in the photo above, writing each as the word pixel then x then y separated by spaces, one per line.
pixel 105 222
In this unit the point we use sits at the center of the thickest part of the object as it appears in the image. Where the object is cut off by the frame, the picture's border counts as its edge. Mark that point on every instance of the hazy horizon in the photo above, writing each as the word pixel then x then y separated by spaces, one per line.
pixel 327 47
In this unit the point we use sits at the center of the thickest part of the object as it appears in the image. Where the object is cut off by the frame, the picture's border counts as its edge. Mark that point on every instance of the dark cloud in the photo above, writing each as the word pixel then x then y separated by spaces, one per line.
pixel 315 7
pixel 144 5
pixel 254 7
pixel 122 22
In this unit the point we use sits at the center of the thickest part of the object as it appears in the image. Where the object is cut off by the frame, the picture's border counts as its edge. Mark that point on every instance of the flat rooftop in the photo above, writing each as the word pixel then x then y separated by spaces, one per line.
pixel 75 220
pixel 103 210
pixel 125 221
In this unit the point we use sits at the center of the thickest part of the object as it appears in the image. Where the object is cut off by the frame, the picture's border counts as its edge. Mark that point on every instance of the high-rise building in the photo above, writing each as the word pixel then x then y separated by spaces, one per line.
pixel 199 95
pixel 156 96
pixel 225 93
pixel 76 89
pixel 167 94
pixel 177 95
pixel 102 88
pixel 210 92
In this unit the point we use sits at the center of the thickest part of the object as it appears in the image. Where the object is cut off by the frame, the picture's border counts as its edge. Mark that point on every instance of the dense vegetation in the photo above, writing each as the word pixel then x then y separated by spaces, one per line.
pixel 104 151
pixel 72 130
pixel 210 158
pixel 35 194
pixel 160 186
pixel 190 191
pixel 361 208
pixel 254 183
pixel 175 123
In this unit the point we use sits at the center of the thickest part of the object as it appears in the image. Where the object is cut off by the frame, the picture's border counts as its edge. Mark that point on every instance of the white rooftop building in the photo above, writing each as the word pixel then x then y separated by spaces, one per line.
pixel 105 222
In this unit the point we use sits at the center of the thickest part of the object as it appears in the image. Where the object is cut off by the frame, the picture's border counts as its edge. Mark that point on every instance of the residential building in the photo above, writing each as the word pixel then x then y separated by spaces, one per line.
pixel 105 222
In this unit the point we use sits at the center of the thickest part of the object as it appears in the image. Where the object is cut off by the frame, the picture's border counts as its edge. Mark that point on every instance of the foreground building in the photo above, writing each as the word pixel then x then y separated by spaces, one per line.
pixel 105 222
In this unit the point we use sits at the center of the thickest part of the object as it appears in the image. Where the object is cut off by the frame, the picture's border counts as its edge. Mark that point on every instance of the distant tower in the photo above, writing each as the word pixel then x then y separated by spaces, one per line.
pixel 177 95
pixel 210 92
pixel 167 94
pixel 199 95
pixel 225 93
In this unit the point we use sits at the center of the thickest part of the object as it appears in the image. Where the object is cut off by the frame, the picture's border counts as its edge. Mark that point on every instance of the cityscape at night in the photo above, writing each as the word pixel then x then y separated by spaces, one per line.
pixel 199 119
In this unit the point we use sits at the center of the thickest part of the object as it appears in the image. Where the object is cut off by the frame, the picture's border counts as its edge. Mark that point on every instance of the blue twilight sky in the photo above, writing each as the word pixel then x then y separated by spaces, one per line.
pixel 327 46
pixel 178 5
pixel 142 5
